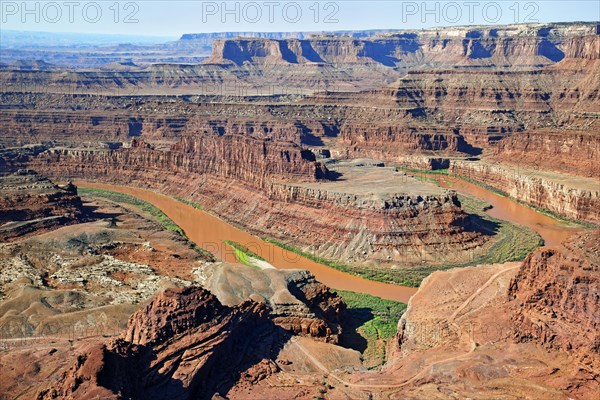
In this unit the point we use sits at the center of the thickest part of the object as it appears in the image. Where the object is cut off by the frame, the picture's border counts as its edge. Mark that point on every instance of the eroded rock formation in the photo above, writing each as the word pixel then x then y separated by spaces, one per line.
pixel 30 202
pixel 76 285
pixel 514 107
pixel 556 296
pixel 298 302
pixel 183 345
pixel 262 189
pixel 529 328
pixel 323 62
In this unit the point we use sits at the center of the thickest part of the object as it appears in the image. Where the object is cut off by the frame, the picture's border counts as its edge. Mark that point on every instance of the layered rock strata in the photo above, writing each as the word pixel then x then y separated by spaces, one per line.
pixel 524 45
pixel 326 62
pixel 30 202
pixel 249 159
pixel 183 345
pixel 265 196
pixel 506 114
pixel 556 296
pixel 567 195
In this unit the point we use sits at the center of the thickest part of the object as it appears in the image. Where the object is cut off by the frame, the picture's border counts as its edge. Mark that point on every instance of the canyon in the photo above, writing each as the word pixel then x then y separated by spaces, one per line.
pixel 257 183
pixel 81 280
pixel 510 116
pixel 126 187
pixel 332 61
pixel 505 331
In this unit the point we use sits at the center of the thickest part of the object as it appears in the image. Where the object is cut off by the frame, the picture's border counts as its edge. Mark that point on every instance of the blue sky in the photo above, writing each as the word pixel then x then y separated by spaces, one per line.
pixel 162 18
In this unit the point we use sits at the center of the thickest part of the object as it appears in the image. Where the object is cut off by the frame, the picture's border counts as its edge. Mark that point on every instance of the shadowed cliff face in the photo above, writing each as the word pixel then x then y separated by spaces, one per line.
pixel 230 154
pixel 515 46
pixel 186 345
pixel 183 345
pixel 510 114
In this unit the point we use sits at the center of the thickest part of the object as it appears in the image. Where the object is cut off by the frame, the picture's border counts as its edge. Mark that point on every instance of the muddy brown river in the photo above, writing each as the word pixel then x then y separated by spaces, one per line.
pixel 551 230
pixel 209 232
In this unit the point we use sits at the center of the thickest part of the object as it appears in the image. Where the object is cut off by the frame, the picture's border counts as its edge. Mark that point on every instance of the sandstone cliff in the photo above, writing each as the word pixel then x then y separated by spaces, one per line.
pixel 207 38
pixel 504 113
pixel 321 62
pixel 514 116
pixel 526 45
pixel 249 159
pixel 30 202
pixel 567 195
pixel 264 191
pixel 183 345
pixel 556 299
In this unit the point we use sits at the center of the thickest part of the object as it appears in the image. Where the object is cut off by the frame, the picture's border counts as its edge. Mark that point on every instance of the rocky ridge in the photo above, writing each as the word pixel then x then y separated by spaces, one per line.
pixel 297 302
pixel 511 330
pixel 514 45
pixel 183 345
pixel 485 331
pixel 557 302
pixel 30 202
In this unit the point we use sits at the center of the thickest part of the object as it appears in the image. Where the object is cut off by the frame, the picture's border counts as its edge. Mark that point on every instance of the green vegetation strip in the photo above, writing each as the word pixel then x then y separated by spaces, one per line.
pixel 145 207
pixel 412 277
pixel 313 257
pixel 373 319
pixel 513 242
pixel 244 254
pixel 444 171
pixel 189 203
pixel 558 217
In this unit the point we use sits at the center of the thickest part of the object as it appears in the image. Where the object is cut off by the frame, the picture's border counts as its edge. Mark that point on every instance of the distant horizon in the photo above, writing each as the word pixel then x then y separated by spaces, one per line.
pixel 86 33
pixel 172 19
pixel 287 31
